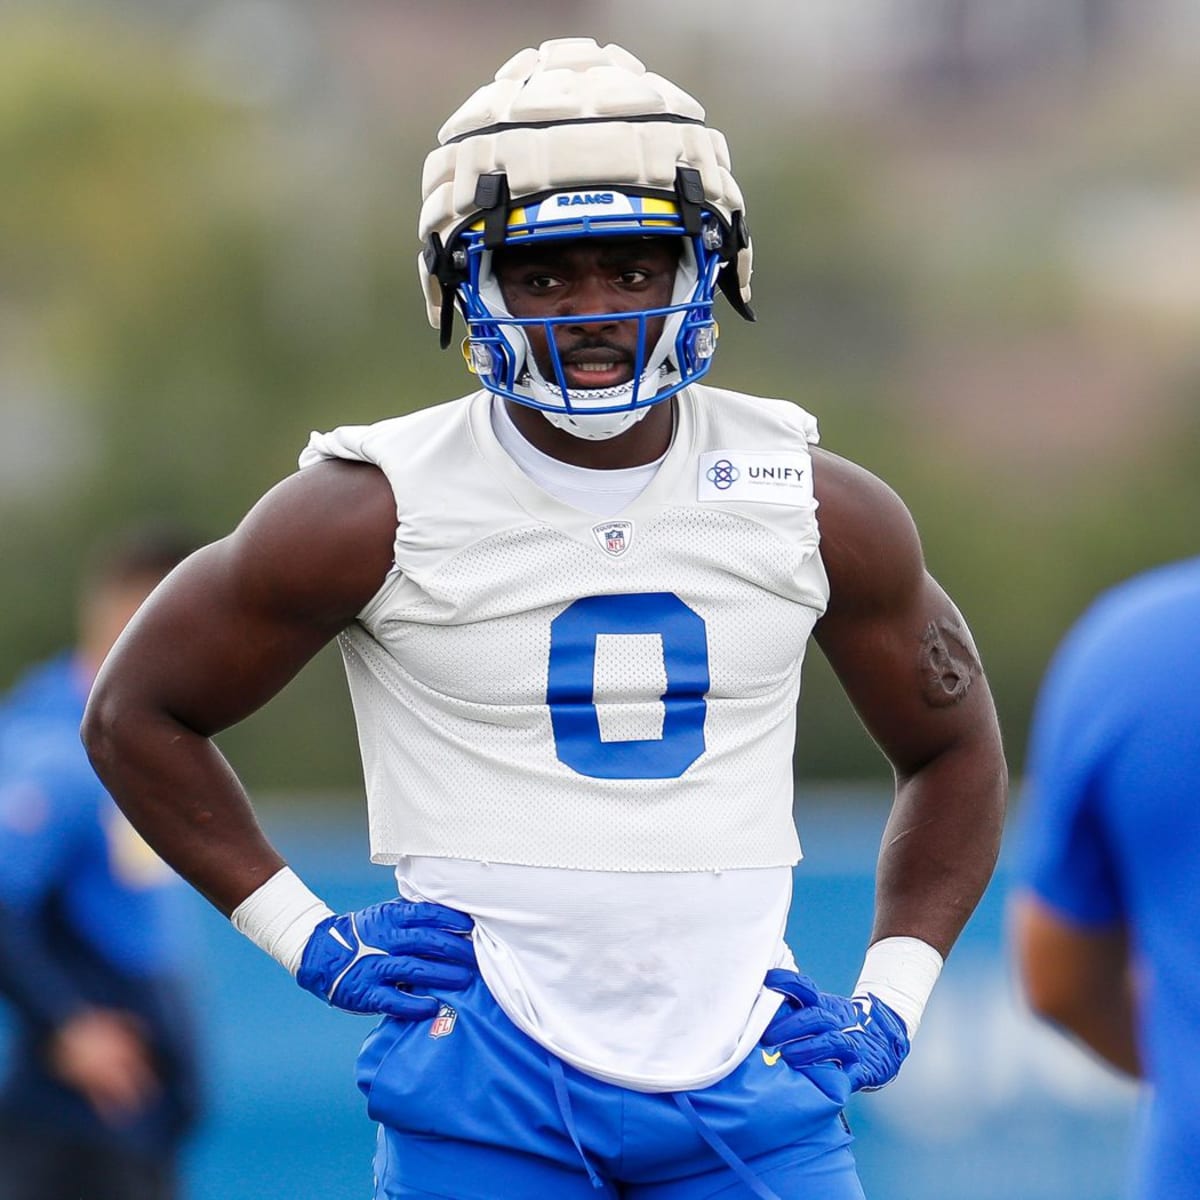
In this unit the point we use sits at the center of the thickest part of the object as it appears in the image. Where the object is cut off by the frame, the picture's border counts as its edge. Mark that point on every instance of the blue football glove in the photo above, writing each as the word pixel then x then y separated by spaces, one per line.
pixel 861 1034
pixel 388 958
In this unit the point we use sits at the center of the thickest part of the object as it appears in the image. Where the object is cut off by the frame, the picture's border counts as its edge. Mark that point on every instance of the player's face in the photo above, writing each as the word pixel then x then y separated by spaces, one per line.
pixel 589 277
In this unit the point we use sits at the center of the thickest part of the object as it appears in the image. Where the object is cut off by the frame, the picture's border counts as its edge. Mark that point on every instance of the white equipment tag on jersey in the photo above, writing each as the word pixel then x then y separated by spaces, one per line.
pixel 765 476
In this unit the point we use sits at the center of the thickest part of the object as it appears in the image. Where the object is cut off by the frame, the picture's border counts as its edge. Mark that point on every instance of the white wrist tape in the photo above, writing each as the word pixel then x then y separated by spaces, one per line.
pixel 279 917
pixel 901 971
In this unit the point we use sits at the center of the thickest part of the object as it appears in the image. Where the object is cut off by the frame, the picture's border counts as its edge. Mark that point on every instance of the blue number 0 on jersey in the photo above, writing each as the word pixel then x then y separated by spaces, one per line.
pixel 570 691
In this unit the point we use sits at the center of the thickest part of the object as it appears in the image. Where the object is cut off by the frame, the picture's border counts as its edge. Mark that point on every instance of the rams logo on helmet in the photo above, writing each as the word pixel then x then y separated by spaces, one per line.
pixel 566 201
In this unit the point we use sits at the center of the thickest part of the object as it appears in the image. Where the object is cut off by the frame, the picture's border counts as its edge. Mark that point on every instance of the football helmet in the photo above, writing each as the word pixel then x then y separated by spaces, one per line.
pixel 577 141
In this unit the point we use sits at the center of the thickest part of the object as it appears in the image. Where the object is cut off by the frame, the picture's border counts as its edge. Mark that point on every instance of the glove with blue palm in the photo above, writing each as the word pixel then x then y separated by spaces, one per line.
pixel 860 1033
pixel 387 958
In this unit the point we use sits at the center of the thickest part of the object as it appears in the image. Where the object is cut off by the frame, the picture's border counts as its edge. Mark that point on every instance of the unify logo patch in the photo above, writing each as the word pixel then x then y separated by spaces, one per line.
pixel 767 476
pixel 614 536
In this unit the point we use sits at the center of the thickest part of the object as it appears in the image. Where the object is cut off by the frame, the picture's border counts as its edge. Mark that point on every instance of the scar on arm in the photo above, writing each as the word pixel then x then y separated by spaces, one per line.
pixel 948 663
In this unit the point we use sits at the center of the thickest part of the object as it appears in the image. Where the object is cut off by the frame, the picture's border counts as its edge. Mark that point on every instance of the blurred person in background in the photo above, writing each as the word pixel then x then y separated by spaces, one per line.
pixel 1107 922
pixel 574 607
pixel 102 1083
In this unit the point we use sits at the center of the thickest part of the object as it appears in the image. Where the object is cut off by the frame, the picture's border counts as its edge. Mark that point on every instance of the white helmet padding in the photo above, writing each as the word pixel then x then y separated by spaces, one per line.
pixel 569 116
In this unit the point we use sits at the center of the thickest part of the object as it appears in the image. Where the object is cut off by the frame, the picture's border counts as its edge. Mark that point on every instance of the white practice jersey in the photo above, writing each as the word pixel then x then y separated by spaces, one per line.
pixel 549 701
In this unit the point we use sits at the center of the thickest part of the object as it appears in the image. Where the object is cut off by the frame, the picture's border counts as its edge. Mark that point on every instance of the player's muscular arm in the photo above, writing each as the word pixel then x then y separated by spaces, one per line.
pixel 909 666
pixel 219 638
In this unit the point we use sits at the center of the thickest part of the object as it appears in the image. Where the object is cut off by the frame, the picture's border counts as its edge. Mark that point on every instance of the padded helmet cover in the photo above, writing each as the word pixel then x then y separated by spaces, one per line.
pixel 574 114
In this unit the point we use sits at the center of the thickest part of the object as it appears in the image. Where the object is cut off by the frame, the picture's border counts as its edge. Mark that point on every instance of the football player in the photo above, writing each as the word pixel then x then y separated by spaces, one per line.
pixel 573 607
pixel 102 1079
pixel 1106 916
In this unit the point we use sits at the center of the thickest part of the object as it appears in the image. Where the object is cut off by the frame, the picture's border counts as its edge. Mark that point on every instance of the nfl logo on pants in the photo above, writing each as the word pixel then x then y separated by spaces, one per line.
pixel 443 1023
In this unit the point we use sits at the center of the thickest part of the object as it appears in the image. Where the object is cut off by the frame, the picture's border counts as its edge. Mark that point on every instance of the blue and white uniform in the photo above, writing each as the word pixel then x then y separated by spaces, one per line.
pixel 1112 832
pixel 577 726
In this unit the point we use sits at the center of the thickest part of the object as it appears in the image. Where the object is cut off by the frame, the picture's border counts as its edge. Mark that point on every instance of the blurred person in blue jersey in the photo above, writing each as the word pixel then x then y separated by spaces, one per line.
pixel 101 1084
pixel 573 607
pixel 1107 921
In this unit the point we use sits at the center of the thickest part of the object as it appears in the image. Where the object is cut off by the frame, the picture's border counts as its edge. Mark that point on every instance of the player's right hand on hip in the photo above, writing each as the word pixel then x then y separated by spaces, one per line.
pixel 389 958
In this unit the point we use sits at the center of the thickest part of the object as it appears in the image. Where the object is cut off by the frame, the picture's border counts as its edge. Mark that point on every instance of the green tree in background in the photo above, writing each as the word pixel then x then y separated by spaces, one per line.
pixel 189 284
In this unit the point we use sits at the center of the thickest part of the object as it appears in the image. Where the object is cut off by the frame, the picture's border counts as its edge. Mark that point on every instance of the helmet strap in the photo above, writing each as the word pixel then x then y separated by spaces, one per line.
pixel 491 198
pixel 689 192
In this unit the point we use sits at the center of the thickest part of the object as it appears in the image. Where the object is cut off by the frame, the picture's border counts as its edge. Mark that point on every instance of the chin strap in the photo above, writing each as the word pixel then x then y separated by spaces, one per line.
pixel 449 268
pixel 727 277
pixel 593 427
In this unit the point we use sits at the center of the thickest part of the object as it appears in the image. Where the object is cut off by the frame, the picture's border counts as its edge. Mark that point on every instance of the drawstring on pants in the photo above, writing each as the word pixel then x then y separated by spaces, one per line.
pixel 564 1109
pixel 710 1136
pixel 718 1144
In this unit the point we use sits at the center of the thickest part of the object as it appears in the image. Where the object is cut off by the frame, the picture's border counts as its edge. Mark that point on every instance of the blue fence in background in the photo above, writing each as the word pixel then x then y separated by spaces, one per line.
pixel 991 1106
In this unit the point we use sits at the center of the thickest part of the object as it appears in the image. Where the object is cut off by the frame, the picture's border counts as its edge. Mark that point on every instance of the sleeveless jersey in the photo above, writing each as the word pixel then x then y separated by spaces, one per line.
pixel 647 976
pixel 535 686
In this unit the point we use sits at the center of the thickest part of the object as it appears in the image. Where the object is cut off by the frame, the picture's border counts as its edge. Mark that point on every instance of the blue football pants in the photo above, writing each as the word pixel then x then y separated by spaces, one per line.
pixel 469 1108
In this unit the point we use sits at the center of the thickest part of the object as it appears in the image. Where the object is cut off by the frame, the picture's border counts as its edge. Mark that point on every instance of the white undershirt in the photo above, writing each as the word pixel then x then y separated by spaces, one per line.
pixel 650 980
pixel 604 493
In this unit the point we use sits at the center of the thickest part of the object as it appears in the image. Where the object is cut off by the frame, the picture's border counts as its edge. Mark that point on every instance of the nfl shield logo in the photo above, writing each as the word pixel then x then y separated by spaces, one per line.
pixel 443 1023
pixel 614 536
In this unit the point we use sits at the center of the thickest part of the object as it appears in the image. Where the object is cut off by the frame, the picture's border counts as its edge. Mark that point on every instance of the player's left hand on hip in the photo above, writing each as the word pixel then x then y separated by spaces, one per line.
pixel 860 1033
pixel 389 958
